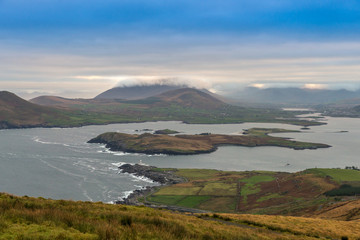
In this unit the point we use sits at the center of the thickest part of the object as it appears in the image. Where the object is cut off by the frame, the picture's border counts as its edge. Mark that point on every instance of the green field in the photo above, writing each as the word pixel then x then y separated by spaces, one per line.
pixel 255 191
pixel 250 185
pixel 339 175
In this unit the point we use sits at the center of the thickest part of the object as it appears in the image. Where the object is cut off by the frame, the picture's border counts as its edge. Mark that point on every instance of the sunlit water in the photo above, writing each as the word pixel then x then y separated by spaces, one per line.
pixel 58 163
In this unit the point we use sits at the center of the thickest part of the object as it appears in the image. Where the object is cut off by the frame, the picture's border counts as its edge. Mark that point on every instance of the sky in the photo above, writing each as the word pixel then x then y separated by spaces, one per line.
pixel 78 48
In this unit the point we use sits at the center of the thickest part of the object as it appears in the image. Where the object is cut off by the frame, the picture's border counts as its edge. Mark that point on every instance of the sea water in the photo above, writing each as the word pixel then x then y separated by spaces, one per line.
pixel 59 163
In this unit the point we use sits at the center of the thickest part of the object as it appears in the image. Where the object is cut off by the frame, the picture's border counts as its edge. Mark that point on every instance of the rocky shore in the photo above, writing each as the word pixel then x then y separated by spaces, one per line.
pixel 163 177
pixel 151 172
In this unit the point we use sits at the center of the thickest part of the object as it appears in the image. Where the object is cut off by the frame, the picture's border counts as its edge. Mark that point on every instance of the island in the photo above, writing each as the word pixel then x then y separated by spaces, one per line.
pixel 196 144
pixel 165 131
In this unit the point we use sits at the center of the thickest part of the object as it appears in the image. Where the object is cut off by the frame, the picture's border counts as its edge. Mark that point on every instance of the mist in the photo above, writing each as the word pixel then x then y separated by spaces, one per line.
pixel 171 81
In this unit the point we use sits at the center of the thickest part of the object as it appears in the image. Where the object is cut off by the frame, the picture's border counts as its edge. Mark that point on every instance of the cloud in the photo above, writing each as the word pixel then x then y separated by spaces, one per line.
pixel 315 86
pixel 127 81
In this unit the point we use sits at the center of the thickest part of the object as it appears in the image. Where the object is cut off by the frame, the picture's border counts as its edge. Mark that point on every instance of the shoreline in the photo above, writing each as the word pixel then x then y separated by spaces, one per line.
pixel 165 178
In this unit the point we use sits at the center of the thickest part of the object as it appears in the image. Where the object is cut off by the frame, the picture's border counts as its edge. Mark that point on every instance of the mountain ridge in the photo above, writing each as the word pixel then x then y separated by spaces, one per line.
pixel 136 92
pixel 293 95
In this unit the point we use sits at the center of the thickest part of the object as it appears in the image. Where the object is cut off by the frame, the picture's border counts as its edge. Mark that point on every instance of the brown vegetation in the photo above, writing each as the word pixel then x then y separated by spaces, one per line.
pixel 38 218
pixel 194 144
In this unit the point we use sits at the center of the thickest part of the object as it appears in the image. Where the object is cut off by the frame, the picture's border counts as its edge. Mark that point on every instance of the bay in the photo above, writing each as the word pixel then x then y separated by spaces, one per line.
pixel 60 164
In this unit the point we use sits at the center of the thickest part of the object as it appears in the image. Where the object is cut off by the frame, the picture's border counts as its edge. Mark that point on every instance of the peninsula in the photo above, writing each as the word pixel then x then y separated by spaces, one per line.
pixel 196 144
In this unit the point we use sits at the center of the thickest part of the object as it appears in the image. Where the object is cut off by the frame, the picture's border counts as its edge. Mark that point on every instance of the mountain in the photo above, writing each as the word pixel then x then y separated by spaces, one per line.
pixel 136 92
pixel 294 95
pixel 55 101
pixel 188 105
pixel 189 97
pixel 69 103
pixel 16 112
pixel 186 97
pixel 357 108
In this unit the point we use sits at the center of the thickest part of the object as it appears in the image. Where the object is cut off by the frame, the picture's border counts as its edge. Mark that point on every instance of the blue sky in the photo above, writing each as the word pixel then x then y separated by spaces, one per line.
pixel 79 48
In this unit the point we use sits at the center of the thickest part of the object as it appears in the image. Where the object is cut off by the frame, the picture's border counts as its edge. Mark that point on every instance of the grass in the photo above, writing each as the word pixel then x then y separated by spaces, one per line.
pixel 305 227
pixel 165 199
pixel 338 175
pixel 219 204
pixel 269 196
pixel 258 192
pixel 266 131
pixel 250 186
pixel 195 144
pixel 179 200
pixel 38 218
pixel 257 179
pixel 178 191
pixel 344 190
pixel 192 201
pixel 219 189
pixel 197 174
pixel 165 131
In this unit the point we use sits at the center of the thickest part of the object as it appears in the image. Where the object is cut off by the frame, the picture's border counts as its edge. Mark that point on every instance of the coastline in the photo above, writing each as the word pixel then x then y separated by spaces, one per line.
pixel 165 178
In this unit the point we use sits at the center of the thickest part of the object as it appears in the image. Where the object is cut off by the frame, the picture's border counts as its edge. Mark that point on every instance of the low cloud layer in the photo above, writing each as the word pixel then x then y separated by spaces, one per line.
pixel 156 80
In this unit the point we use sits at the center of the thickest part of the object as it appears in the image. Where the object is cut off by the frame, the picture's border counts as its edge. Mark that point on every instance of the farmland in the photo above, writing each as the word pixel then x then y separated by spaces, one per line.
pixel 257 192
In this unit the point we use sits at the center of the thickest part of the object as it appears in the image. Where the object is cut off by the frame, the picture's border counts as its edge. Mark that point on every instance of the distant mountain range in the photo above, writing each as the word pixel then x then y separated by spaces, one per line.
pixel 293 96
pixel 186 104
pixel 184 97
pixel 250 95
pixel 145 91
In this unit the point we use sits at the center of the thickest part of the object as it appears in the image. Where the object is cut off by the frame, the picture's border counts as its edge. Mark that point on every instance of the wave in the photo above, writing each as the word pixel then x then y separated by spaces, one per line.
pixel 126 194
pixel 141 178
pixel 37 139
pixel 120 153
pixel 119 164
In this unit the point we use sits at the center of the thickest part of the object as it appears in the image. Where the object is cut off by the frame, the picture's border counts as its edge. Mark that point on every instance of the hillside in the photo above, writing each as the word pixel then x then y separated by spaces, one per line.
pixel 304 193
pixel 136 92
pixel 186 97
pixel 16 112
pixel 38 218
pixel 55 101
pixel 186 104
pixel 191 98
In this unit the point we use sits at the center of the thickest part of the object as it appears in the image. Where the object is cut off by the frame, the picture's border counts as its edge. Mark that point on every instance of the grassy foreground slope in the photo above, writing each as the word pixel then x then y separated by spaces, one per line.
pixel 37 218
